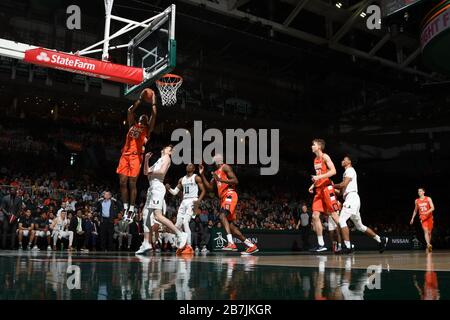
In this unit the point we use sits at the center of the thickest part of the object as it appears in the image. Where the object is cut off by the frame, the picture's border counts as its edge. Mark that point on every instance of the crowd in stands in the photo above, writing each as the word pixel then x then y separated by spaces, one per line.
pixel 48 211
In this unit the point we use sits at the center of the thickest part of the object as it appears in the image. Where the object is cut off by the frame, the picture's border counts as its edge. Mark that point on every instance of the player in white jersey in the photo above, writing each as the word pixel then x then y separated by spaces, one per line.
pixel 350 209
pixel 60 230
pixel 155 204
pixel 190 184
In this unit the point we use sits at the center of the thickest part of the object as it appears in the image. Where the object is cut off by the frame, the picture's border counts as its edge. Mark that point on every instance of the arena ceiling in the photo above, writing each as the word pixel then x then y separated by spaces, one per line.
pixel 342 29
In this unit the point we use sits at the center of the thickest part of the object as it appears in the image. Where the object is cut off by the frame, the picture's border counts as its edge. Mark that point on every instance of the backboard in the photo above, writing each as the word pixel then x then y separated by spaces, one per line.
pixel 153 49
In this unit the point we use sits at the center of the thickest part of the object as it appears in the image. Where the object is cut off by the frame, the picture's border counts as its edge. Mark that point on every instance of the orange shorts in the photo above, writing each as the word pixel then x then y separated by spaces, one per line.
pixel 427 224
pixel 129 165
pixel 228 204
pixel 325 200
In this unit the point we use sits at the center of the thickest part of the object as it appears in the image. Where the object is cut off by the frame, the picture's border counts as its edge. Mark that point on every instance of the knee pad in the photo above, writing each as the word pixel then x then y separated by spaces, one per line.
pixel 343 221
pixel 360 227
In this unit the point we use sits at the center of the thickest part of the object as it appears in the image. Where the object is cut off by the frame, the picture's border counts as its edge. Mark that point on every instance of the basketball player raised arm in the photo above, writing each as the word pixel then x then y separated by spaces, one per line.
pixel 130 114
pixel 209 185
pixel 147 169
pixel 231 177
pixel 152 120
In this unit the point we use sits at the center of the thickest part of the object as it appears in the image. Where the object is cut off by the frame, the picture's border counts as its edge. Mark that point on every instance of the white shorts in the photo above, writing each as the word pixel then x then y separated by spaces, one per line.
pixel 155 195
pixel 42 234
pixel 25 233
pixel 351 207
pixel 186 209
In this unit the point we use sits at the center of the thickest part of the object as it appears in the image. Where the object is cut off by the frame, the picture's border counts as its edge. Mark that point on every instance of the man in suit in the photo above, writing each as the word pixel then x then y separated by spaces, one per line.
pixel 121 231
pixel 200 234
pixel 10 208
pixel 136 229
pixel 77 226
pixel 91 228
pixel 108 209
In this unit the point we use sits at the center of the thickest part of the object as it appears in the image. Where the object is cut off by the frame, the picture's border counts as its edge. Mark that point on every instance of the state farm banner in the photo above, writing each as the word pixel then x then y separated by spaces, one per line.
pixel 86 66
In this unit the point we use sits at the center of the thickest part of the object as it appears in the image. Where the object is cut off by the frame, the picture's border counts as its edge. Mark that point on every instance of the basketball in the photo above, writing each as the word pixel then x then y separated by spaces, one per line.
pixel 147 95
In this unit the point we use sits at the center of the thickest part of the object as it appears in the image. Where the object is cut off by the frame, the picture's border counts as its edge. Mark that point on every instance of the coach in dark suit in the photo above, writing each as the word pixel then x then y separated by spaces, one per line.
pixel 10 209
pixel 108 208
pixel 77 225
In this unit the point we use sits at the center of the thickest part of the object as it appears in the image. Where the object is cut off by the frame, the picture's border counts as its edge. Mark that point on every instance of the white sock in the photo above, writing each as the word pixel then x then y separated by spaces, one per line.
pixel 230 238
pixel 146 243
pixel 320 240
pixel 339 245
pixel 125 206
pixel 347 244
pixel 132 208
pixel 377 238
pixel 248 243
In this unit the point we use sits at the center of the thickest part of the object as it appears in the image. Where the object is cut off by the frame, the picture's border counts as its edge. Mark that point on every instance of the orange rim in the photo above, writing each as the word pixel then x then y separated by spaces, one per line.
pixel 169 75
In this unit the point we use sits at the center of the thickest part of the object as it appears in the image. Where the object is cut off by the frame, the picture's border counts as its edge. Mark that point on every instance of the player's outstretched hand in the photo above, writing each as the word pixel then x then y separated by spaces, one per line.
pixel 311 189
pixel 201 168
pixel 411 222
pixel 148 155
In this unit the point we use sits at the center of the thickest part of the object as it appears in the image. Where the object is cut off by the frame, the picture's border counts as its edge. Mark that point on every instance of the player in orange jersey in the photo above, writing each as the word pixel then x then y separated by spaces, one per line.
pixel 325 200
pixel 226 182
pixel 425 207
pixel 131 159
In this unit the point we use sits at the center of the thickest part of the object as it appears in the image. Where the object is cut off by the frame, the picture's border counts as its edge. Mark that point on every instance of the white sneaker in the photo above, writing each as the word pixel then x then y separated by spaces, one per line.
pixel 49 248
pixel 145 246
pixel 35 248
pixel 204 249
pixel 196 249
pixel 181 240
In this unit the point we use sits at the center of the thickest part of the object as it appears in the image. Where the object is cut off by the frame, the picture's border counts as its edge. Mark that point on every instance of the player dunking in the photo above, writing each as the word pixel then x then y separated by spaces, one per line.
pixel 155 203
pixel 189 184
pixel 351 206
pixel 425 206
pixel 325 200
pixel 131 158
pixel 226 182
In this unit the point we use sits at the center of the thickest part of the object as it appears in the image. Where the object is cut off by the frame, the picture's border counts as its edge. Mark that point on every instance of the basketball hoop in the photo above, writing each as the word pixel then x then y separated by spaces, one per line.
pixel 168 86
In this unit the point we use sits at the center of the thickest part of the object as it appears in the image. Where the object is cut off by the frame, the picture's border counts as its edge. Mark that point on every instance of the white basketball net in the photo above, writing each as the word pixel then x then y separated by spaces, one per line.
pixel 168 86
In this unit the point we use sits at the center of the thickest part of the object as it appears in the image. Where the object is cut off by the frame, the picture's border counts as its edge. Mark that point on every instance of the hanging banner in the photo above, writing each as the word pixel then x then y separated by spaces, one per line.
pixel 85 66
